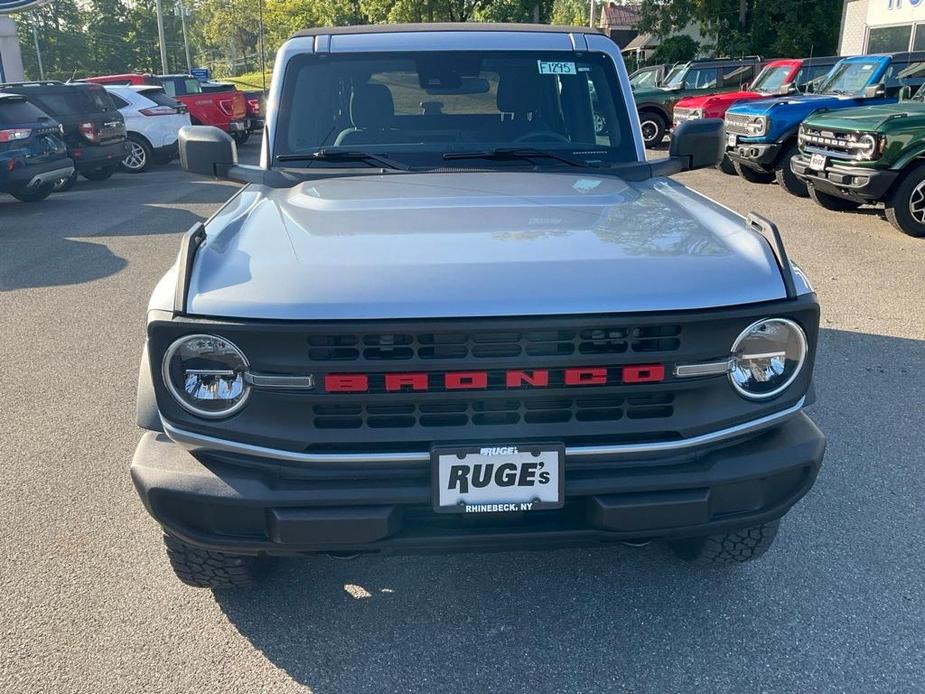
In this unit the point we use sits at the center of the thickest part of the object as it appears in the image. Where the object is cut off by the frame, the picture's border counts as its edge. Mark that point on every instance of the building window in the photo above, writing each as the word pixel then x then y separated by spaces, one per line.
pixel 918 43
pixel 889 39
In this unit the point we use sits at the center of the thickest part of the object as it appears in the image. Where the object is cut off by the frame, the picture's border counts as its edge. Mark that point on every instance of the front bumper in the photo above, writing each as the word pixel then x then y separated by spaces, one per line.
pixel 755 155
pixel 856 183
pixel 246 508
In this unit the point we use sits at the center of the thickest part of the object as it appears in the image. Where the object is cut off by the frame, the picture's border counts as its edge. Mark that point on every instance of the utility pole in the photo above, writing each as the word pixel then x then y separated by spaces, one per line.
pixel 591 16
pixel 38 52
pixel 160 37
pixel 182 10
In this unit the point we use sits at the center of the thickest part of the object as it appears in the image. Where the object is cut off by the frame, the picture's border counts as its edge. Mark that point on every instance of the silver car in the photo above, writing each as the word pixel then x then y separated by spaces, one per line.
pixel 446 312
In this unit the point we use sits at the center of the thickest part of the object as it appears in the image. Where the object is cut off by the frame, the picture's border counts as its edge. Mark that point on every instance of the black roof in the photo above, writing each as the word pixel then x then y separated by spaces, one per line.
pixel 444 26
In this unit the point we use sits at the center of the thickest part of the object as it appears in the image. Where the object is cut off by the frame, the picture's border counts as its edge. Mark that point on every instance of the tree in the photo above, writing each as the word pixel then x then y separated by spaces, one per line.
pixel 570 12
pixel 675 49
pixel 784 27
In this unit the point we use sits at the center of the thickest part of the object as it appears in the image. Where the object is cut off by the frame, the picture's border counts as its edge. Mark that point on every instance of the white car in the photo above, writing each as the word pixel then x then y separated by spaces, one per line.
pixel 152 120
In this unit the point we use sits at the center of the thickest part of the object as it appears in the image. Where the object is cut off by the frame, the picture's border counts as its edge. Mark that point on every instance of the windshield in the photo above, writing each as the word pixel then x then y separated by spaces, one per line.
pixel 646 78
pixel 771 79
pixel 674 78
pixel 850 77
pixel 418 106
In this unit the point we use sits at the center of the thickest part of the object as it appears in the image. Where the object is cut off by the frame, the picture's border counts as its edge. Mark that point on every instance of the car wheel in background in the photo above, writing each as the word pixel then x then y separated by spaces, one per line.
pixel 905 207
pixel 752 176
pixel 34 194
pixel 139 155
pixel 831 202
pixel 726 549
pixel 726 166
pixel 653 128
pixel 100 174
pixel 241 136
pixel 66 183
pixel 788 180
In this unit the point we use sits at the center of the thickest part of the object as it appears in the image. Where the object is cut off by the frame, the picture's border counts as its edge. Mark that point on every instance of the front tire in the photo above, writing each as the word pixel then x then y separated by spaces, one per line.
pixel 100 174
pixel 905 207
pixel 727 549
pixel 653 129
pixel 202 568
pixel 752 176
pixel 139 157
pixel 831 202
pixel 34 194
pixel 726 166
pixel 788 180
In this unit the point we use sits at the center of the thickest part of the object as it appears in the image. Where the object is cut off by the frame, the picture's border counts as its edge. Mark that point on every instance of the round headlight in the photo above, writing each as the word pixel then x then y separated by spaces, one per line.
pixel 767 357
pixel 867 146
pixel 205 374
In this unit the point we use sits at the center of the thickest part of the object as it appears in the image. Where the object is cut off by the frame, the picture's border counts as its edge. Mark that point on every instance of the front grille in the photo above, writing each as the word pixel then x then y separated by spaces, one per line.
pixel 493 412
pixel 841 144
pixel 493 344
pixel 738 124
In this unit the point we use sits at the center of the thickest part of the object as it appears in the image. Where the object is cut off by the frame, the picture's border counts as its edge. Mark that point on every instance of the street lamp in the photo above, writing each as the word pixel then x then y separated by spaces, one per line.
pixel 182 11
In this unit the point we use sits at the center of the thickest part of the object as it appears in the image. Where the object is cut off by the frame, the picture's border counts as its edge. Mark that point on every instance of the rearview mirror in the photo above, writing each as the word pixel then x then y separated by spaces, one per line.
pixel 873 91
pixel 203 148
pixel 698 144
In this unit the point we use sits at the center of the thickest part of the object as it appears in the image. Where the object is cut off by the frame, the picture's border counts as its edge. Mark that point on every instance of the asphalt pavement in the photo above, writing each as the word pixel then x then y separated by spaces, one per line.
pixel 88 602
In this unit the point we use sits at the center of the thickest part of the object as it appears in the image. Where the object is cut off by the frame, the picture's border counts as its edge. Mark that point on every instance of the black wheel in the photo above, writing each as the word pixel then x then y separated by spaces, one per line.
pixel 788 180
pixel 752 176
pixel 34 194
pixel 139 157
pixel 831 202
pixel 241 136
pixel 724 549
pixel 905 207
pixel 726 166
pixel 653 128
pixel 66 183
pixel 202 568
pixel 100 174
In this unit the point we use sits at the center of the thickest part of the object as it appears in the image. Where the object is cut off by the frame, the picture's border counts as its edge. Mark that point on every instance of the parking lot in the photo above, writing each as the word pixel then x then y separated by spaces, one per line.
pixel 89 603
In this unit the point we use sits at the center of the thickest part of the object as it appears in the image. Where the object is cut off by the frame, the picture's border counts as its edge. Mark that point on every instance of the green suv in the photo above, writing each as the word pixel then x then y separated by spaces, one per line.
pixel 868 155
pixel 655 105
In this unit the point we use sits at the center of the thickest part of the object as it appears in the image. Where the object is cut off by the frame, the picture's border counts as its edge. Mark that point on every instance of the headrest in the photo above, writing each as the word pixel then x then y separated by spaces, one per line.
pixel 519 92
pixel 371 106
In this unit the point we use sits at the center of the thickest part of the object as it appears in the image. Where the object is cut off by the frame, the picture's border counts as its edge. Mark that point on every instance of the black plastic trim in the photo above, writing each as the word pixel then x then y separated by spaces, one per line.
pixel 189 245
pixel 771 234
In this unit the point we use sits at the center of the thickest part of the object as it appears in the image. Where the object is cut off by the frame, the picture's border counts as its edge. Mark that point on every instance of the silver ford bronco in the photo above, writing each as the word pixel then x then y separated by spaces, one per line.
pixel 454 308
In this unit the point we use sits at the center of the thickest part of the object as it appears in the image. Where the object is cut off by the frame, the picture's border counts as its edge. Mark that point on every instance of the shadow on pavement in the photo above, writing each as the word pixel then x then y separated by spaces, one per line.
pixel 614 617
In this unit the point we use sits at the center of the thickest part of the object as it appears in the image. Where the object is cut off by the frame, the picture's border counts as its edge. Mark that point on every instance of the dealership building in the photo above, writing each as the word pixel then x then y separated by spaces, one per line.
pixel 882 26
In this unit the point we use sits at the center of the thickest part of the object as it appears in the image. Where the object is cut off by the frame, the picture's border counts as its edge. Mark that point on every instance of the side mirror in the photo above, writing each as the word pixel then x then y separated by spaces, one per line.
pixel 874 90
pixel 905 93
pixel 786 89
pixel 204 149
pixel 809 88
pixel 698 144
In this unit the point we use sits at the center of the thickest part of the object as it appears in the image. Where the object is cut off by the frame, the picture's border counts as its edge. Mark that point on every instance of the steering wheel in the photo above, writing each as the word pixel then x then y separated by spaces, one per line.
pixel 543 136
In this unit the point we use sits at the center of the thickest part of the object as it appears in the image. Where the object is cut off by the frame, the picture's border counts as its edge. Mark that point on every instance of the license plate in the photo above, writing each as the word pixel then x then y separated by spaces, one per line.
pixel 731 140
pixel 498 479
pixel 817 162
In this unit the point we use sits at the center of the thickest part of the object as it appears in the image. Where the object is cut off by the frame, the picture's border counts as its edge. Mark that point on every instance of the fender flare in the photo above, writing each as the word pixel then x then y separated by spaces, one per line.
pixel 147 415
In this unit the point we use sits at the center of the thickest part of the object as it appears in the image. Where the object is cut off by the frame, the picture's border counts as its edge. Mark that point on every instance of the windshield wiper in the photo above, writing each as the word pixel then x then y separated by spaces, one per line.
pixel 511 153
pixel 334 155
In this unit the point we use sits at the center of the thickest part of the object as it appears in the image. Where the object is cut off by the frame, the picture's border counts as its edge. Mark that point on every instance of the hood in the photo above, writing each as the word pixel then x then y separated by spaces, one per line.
pixel 792 106
pixel 476 244
pixel 718 102
pixel 868 118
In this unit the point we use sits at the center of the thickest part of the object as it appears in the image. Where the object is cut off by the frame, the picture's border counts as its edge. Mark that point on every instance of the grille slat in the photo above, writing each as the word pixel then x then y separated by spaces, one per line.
pixel 495 344
pixel 488 413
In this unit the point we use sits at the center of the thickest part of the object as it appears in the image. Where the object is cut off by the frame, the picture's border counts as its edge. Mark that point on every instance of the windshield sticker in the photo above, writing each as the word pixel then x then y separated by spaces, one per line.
pixel 556 67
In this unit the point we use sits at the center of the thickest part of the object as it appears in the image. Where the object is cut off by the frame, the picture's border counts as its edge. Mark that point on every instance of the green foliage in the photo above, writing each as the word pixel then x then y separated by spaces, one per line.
pixel 793 28
pixel 675 49
pixel 570 12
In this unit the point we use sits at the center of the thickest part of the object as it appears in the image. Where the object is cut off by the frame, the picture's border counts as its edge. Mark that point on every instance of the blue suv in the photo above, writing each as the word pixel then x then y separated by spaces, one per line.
pixel 32 154
pixel 762 135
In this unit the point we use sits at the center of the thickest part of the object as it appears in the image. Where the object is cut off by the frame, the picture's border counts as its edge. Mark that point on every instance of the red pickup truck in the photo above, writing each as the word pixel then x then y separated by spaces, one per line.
pixel 225 110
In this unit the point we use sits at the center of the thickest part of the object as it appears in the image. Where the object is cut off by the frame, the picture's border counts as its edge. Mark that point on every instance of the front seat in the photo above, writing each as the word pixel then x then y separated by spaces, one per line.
pixel 372 113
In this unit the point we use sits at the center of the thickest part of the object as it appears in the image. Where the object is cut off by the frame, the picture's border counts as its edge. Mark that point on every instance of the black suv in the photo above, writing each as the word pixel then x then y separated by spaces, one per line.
pixel 32 154
pixel 94 130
